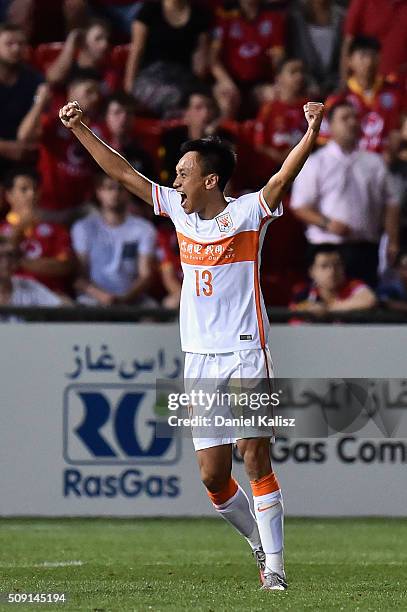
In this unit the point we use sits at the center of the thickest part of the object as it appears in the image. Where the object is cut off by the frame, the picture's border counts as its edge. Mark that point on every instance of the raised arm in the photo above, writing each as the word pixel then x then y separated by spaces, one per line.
pixel 59 70
pixel 280 182
pixel 108 159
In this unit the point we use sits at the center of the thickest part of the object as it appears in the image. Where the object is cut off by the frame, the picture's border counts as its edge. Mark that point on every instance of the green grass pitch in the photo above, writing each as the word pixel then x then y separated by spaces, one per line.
pixel 202 565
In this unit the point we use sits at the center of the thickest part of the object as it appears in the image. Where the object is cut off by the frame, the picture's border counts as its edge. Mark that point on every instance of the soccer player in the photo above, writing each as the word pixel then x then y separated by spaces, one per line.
pixel 223 320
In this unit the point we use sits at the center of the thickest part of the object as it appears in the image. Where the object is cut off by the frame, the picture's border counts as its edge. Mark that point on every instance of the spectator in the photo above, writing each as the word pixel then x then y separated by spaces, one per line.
pixel 330 290
pixel 169 46
pixel 201 117
pixel 248 43
pixel 46 247
pixel 378 102
pixel 398 169
pixel 281 123
pixel 393 294
pixel 65 167
pixel 315 36
pixel 47 20
pixel 170 265
pixel 18 85
pixel 385 20
pixel 18 291
pixel 120 13
pixel 118 131
pixel 346 197
pixel 116 250
pixel 86 49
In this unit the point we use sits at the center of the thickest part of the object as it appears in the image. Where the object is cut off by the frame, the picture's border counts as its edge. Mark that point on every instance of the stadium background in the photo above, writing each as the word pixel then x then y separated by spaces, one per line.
pixel 53 357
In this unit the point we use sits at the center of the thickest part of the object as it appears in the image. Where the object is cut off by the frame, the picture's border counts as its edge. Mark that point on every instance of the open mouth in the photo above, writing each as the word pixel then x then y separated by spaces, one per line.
pixel 183 198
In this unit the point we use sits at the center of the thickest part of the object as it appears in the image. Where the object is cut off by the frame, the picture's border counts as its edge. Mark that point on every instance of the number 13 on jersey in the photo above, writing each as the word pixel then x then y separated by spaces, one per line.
pixel 203 283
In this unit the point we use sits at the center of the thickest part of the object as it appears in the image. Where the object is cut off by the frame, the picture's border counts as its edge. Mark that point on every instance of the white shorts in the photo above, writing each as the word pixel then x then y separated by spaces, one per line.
pixel 221 371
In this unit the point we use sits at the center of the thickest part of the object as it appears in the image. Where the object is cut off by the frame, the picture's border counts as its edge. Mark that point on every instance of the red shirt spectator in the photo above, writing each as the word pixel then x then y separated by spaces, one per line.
pixel 306 294
pixel 281 125
pixel 168 250
pixel 246 44
pixel 66 168
pixel 42 240
pixel 385 20
pixel 379 112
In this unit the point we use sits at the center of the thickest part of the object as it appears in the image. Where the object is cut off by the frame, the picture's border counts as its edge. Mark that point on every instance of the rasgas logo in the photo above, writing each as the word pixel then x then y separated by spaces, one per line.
pixel 111 433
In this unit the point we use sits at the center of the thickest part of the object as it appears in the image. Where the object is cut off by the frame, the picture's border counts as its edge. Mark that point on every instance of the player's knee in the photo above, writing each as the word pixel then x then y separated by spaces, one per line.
pixel 213 482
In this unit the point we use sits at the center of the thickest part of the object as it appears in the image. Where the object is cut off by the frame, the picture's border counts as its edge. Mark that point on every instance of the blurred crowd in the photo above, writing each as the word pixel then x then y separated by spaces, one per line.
pixel 150 75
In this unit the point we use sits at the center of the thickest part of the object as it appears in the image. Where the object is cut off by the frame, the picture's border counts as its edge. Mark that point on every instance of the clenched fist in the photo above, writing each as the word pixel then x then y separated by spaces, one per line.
pixel 71 115
pixel 314 112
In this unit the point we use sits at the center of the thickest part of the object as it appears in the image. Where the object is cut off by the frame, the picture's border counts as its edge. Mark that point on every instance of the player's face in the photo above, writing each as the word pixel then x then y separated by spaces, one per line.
pixel 23 195
pixel 86 93
pixel 8 260
pixel 97 41
pixel 118 119
pixel 364 63
pixel 111 195
pixel 191 183
pixel 200 111
pixel 327 271
pixel 292 76
pixel 344 125
pixel 12 46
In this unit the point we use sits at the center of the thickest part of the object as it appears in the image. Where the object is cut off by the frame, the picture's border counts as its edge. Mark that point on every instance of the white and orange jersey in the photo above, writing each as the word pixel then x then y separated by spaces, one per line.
pixel 222 308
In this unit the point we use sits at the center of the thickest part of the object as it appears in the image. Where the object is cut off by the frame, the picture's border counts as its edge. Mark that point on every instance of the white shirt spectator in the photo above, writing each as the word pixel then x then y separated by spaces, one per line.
pixel 29 292
pixel 113 251
pixel 352 187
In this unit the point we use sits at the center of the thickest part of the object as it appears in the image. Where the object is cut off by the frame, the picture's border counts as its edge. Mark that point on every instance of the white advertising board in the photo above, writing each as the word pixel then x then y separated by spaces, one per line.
pixel 78 410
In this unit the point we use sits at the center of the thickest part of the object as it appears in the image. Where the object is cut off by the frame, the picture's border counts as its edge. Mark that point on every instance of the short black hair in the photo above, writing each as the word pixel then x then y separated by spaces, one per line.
pixel 364 43
pixel 10 27
pixel 10 176
pixel 198 90
pixel 339 103
pixel 287 60
pixel 98 21
pixel 82 75
pixel 217 155
pixel 323 248
pixel 123 98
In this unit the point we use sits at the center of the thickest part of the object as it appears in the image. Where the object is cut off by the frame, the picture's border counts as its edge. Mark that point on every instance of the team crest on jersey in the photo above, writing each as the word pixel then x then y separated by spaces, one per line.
pixel 225 223
pixel 387 100
pixel 266 28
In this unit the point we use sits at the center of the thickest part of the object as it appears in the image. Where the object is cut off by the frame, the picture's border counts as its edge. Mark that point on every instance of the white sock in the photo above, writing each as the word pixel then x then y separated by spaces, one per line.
pixel 270 520
pixel 237 512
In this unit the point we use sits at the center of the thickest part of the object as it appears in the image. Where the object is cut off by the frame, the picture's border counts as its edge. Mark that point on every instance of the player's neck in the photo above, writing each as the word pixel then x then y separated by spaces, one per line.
pixel 214 207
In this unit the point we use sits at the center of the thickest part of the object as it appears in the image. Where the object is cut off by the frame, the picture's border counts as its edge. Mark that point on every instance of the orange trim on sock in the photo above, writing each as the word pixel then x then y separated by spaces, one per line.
pixel 222 496
pixel 265 485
